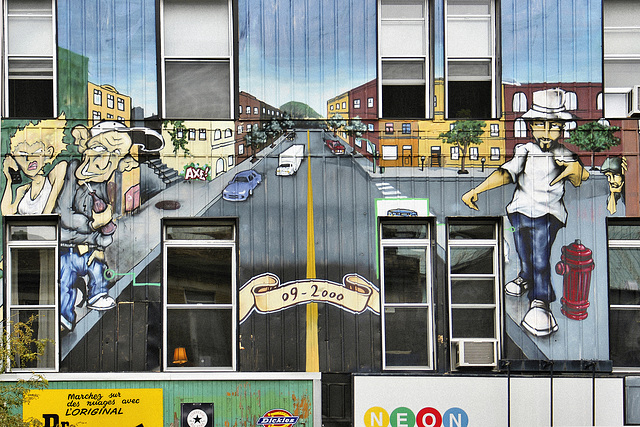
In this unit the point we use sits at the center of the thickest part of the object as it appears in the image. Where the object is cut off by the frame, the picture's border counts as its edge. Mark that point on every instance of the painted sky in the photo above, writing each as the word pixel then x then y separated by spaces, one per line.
pixel 304 50
pixel 119 38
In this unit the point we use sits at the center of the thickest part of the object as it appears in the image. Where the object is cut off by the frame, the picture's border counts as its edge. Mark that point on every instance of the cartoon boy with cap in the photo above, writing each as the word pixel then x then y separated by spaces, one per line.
pixel 86 209
pixel 537 210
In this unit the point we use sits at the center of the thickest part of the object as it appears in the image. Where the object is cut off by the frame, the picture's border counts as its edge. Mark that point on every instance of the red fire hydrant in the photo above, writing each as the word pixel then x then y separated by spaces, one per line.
pixel 576 265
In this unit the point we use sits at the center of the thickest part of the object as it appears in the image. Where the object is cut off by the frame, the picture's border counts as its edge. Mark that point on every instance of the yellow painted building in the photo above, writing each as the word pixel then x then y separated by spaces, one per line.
pixel 106 103
pixel 339 105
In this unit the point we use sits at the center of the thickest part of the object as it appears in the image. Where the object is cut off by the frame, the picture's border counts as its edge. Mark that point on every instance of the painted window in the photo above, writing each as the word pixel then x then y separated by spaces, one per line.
pixel 389 152
pixel 520 102
pixel 239 129
pixel 624 291
pixel 455 153
pixel 571 101
pixel 494 129
pixel 369 102
pixel 109 116
pixel 248 110
pixel 599 101
pixel 388 127
pixel 97 116
pixel 406 286
pixel 199 260
pixel 356 103
pixel 30 58
pixel 344 105
pixel 370 127
pixel 202 134
pixel 230 161
pixel 97 97
pixel 474 291
pixel 217 134
pixel 473 153
pixel 110 101
pixel 240 149
pixel 179 133
pixel 192 135
pixel 255 110
pixel 197 64
pixel 228 133
pixel 404 66
pixel 120 104
pixel 520 128
pixel 568 127
pixel 239 109
pixel 331 107
pixel 31 285
pixel 495 153
pixel 406 128
pixel 471 59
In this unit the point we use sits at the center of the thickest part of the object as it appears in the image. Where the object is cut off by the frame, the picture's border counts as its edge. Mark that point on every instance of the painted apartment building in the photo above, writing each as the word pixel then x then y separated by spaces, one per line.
pixel 470 257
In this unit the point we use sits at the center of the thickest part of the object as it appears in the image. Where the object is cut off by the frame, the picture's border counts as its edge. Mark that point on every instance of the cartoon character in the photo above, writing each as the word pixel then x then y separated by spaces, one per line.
pixel 614 169
pixel 537 211
pixel 87 223
pixel 32 148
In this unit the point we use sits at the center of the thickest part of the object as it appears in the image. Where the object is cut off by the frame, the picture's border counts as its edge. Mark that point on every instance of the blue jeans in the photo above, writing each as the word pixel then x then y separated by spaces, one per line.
pixel 534 239
pixel 72 266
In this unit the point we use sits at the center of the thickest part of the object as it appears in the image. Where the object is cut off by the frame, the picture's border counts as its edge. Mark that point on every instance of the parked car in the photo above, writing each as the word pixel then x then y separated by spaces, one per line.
pixel 401 212
pixel 242 185
pixel 334 145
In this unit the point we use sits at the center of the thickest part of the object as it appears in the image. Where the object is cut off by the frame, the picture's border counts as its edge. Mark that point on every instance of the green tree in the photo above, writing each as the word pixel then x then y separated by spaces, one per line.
pixel 355 127
pixel 594 137
pixel 335 122
pixel 178 133
pixel 19 347
pixel 255 139
pixel 464 133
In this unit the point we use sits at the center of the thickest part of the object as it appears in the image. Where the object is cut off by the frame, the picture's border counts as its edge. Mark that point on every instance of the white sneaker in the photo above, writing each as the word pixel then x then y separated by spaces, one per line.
pixel 539 320
pixel 517 287
pixel 105 302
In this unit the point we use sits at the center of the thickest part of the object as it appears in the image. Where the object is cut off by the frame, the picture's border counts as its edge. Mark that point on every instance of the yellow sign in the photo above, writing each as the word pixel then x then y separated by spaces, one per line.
pixel 96 407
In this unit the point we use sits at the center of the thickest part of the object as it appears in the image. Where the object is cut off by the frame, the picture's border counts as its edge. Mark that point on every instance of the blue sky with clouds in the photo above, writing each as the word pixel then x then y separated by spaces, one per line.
pixel 305 50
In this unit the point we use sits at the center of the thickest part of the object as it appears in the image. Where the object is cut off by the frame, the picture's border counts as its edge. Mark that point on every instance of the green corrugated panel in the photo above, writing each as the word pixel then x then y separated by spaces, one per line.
pixel 236 403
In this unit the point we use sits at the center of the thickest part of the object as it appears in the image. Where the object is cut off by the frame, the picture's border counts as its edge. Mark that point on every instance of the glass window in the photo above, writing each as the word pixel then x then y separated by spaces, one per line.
pixel 624 292
pixel 406 295
pixel 31 278
pixel 455 153
pixel 217 134
pixel 197 63
pixel 494 129
pixel 120 104
pixel 192 135
pixel 406 128
pixel 356 103
pixel 110 103
pixel 97 97
pixel 228 133
pixel 474 293
pixel 200 295
pixel 495 153
pixel 30 56
pixel 202 134
pixel 389 152
pixel 388 127
pixel 369 102
pixel 520 128
pixel 473 153
pixel 520 102
pixel 255 110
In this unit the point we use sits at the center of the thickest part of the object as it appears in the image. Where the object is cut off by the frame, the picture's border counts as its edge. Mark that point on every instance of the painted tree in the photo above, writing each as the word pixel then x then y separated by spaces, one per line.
pixel 464 133
pixel 594 137
pixel 255 139
pixel 19 347
pixel 336 122
pixel 355 127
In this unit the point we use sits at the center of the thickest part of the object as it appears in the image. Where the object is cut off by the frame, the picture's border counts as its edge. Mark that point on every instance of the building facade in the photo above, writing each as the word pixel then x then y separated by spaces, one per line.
pixel 470 256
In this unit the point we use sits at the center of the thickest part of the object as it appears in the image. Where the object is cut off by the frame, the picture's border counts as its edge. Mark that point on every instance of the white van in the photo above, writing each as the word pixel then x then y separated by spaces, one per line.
pixel 289 160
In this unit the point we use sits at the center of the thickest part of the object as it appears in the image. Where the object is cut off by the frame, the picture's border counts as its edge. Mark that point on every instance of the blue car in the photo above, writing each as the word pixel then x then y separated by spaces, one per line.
pixel 242 185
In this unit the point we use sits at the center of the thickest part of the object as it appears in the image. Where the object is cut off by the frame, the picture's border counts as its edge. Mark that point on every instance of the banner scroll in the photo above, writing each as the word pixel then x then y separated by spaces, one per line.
pixel 265 294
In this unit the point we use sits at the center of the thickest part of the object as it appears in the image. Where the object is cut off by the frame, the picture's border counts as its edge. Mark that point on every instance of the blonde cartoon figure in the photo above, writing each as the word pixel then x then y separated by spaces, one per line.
pixel 32 148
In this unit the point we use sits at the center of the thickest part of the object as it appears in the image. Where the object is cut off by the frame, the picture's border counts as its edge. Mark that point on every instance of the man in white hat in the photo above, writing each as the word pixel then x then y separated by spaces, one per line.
pixel 537 210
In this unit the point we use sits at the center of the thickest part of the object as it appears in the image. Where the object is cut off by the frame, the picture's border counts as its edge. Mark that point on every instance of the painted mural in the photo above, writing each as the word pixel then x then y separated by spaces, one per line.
pixel 309 285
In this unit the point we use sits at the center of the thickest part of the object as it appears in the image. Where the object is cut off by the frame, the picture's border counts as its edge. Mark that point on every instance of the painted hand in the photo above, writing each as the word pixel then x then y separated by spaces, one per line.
pixel 573 171
pixel 9 162
pixel 102 218
pixel 470 198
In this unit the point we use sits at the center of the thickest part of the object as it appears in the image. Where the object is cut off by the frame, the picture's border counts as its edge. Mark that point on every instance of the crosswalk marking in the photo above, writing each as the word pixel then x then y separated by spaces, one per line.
pixel 389 190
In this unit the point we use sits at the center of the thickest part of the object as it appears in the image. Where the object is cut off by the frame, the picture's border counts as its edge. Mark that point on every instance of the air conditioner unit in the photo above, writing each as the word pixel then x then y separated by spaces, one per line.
pixel 634 102
pixel 475 353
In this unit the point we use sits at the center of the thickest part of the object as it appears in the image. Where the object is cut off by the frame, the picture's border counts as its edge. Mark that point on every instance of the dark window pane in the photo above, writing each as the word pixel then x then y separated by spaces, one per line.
pixel 469 99
pixel 472 291
pixel 473 323
pixel 624 231
pixel 403 101
pixel 31 98
pixel 199 275
pixel 624 276
pixel 471 260
pixel 33 276
pixel 197 90
pixel 32 232
pixel 406 337
pixel 204 334
pixel 624 337
pixel 405 230
pixel 472 231
pixel 200 231
pixel 405 279
pixel 43 327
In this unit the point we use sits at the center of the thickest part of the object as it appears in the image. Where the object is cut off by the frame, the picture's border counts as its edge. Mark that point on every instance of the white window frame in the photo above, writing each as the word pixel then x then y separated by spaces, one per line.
pixel 110 101
pixel 97 97
pixel 455 152
pixel 8 57
pixel 520 103
pixel 120 104
pixel 34 244
pixel 473 153
pixel 389 152
pixel 370 102
pixel 495 153
pixel 494 129
pixel 428 305
pixel 232 244
pixel 496 276
pixel 520 128
pixel 217 59
pixel 356 103
pixel 202 134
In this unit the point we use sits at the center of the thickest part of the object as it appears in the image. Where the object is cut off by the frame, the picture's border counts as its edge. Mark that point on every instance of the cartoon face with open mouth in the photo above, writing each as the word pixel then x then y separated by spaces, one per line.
pixel 31 158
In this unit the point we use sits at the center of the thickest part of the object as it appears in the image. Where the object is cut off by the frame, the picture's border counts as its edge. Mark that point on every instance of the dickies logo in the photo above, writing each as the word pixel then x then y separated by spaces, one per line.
pixel 277 418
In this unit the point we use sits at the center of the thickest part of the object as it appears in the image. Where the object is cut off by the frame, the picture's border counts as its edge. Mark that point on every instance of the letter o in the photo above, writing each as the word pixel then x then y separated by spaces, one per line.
pixel 429 417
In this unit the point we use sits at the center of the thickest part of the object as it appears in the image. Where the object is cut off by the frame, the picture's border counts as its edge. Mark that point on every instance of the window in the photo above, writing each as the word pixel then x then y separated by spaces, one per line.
pixel 407 332
pixel 200 295
pixel 263 110
pixel 520 102
pixel 370 127
pixel 359 142
pixel 30 55
pixel 239 109
pixel 344 105
pixel 255 110
pixel 239 128
pixel 32 278
pixel 369 102
pixel 389 152
pixel 470 59
pixel 120 104
pixel 624 291
pixel 406 128
pixel 474 291
pixel 455 153
pixel 230 161
pixel 109 116
pixel 202 134
pixel 120 118
pixel 494 129
pixel 388 127
pixel 97 116
pixel 110 103
pixel 520 128
pixel 356 103
pixel 240 149
pixel 331 107
pixel 571 101
pixel 228 133
pixel 568 127
pixel 473 153
pixel 192 135
pixel 197 64
pixel 217 134
pixel 248 110
pixel 403 44
pixel 179 134
pixel 97 97
pixel 495 153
